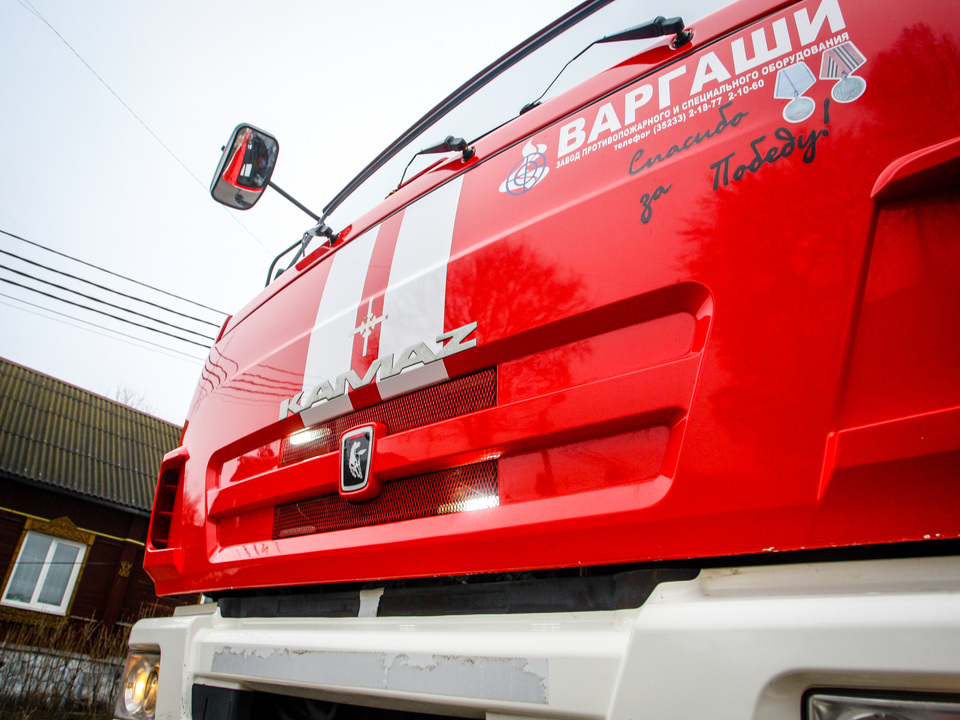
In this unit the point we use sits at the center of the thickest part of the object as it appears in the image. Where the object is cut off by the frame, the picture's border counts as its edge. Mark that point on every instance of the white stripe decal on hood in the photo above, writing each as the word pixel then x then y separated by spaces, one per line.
pixel 331 342
pixel 413 306
pixel 417 290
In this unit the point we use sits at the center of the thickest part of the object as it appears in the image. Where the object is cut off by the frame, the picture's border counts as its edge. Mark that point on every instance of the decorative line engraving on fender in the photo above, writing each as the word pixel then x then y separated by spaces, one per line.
pixel 388 366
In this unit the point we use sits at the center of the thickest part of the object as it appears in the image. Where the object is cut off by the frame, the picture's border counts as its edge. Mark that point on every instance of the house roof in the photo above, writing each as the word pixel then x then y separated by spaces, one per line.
pixel 58 435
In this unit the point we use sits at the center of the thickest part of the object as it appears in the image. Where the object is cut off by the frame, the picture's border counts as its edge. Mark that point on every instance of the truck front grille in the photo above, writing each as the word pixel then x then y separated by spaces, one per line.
pixel 423 407
pixel 471 487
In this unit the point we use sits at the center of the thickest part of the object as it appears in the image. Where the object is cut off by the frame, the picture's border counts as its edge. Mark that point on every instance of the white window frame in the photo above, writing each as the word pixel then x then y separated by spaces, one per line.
pixel 34 603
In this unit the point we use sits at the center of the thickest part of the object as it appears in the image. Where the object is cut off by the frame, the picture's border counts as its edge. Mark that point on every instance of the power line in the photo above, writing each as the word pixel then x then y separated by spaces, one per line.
pixel 29 7
pixel 104 302
pixel 111 290
pixel 26 5
pixel 101 312
pixel 110 89
pixel 109 272
pixel 168 351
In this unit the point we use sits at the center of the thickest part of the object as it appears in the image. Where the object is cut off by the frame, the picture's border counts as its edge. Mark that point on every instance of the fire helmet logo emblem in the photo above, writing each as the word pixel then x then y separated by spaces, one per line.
pixel 358 481
pixel 528 173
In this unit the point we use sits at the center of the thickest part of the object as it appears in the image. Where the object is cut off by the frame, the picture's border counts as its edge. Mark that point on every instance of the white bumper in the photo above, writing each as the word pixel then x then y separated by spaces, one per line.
pixel 733 643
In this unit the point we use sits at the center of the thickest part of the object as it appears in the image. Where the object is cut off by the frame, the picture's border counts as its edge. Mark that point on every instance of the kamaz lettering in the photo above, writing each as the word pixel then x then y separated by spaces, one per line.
pixel 384 367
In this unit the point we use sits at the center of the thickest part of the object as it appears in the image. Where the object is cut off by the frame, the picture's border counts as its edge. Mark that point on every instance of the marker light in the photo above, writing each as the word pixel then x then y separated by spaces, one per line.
pixel 469 504
pixel 308 436
pixel 138 688
pixel 823 706
pixel 305 444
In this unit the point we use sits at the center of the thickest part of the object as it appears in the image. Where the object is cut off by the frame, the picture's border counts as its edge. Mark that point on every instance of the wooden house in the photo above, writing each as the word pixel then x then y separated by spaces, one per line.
pixel 77 476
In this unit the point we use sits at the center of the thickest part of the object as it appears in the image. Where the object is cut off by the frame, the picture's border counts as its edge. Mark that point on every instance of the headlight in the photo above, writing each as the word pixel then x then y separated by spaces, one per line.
pixel 823 706
pixel 138 687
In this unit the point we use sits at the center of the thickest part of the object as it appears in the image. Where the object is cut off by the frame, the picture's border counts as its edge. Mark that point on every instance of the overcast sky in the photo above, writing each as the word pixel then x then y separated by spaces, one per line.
pixel 113 115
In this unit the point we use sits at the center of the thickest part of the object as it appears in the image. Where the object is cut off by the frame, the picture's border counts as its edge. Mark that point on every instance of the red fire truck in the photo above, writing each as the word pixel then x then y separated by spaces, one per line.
pixel 625 384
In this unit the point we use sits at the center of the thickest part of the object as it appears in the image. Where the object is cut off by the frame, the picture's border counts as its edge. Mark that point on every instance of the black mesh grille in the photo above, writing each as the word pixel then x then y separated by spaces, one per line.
pixel 429 405
pixel 472 487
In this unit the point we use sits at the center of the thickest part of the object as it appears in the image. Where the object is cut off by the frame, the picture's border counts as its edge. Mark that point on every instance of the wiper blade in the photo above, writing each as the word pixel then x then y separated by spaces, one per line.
pixel 658 27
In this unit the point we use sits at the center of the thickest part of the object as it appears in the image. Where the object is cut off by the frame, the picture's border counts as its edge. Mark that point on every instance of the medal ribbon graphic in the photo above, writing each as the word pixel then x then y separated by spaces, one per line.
pixel 792 82
pixel 838 64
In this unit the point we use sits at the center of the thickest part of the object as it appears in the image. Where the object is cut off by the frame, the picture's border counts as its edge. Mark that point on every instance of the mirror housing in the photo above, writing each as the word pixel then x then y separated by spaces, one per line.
pixel 245 167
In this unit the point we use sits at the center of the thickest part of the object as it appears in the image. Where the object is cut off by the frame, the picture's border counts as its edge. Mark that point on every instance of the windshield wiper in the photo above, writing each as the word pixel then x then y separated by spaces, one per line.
pixel 450 144
pixel 658 27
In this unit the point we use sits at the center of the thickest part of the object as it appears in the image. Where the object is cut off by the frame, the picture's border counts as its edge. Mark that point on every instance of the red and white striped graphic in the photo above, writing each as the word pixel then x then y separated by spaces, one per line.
pixel 382 304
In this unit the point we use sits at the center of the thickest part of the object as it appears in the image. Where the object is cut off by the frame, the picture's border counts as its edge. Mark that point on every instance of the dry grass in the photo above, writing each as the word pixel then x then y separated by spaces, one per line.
pixel 60 673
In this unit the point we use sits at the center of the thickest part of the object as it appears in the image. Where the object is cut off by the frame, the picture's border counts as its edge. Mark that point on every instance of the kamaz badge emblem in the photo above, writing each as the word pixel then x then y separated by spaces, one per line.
pixel 358 479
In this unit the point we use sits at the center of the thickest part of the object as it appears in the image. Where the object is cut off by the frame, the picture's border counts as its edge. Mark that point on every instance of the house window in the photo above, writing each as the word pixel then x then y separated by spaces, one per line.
pixel 45 573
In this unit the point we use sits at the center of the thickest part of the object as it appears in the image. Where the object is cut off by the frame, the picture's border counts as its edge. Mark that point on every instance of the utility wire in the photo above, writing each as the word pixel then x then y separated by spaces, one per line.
pixel 26 5
pixel 168 351
pixel 110 290
pixel 104 302
pixel 101 312
pixel 109 272
pixel 30 8
pixel 111 90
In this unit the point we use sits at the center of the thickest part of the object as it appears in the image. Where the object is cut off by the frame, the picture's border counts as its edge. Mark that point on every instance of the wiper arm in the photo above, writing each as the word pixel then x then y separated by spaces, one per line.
pixel 449 144
pixel 658 27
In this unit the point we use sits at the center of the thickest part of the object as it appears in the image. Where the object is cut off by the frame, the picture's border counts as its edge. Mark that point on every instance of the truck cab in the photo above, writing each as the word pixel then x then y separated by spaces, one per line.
pixel 606 380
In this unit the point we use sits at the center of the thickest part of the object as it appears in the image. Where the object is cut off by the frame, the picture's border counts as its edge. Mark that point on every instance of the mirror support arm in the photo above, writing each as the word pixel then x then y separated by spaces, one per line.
pixel 293 200
pixel 246 166
pixel 321 230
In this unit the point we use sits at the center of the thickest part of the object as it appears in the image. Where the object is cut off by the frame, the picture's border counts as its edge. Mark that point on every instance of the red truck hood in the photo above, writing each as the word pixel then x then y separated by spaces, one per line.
pixel 656 325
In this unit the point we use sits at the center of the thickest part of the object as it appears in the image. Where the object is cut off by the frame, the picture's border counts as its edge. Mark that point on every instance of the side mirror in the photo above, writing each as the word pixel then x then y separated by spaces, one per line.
pixel 245 167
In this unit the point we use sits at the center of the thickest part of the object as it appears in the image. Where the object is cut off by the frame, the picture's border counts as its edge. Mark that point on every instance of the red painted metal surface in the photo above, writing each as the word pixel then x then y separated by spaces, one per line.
pixel 710 337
